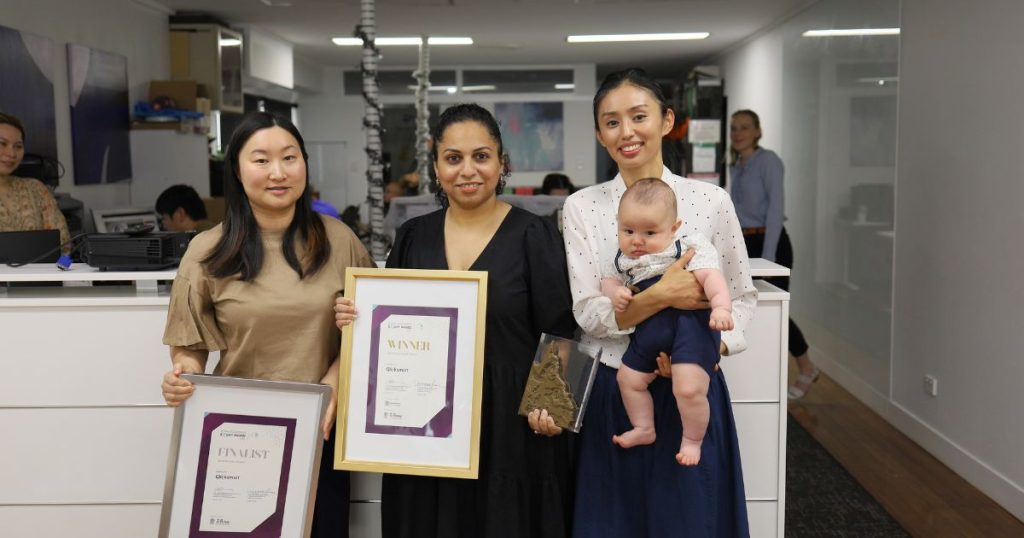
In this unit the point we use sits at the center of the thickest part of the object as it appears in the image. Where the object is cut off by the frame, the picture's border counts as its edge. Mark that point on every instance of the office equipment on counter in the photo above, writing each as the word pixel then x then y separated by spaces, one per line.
pixel 119 220
pixel 135 251
pixel 24 246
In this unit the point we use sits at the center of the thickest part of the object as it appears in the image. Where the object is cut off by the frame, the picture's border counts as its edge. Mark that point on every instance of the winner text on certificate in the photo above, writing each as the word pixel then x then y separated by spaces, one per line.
pixel 412 371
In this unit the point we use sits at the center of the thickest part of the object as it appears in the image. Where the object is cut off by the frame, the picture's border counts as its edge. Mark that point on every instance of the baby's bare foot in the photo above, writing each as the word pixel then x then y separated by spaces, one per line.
pixel 689 452
pixel 635 437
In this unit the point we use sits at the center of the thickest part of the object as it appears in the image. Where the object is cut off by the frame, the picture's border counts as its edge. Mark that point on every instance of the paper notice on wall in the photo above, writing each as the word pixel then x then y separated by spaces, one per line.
pixel 704 158
pixel 705 131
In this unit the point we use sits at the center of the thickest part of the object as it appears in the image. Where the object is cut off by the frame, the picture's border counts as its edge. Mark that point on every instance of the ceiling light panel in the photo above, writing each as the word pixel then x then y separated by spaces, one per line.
pixel 851 32
pixel 625 38
pixel 403 41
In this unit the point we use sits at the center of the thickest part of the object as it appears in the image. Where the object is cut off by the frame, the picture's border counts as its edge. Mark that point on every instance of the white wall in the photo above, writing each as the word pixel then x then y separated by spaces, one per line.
pixel 269 57
pixel 958 203
pixel 753 81
pixel 308 75
pixel 134 29
pixel 958 271
pixel 332 124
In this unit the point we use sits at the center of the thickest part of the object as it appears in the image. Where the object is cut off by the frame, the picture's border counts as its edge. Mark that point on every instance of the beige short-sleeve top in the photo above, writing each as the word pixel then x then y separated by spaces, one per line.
pixel 274 327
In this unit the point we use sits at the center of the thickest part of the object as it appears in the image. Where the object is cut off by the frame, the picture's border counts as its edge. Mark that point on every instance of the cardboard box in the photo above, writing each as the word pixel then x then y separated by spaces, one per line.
pixel 214 210
pixel 183 92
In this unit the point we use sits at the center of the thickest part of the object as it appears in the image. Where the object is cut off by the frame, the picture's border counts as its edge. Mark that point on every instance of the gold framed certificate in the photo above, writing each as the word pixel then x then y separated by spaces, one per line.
pixel 411 374
pixel 244 459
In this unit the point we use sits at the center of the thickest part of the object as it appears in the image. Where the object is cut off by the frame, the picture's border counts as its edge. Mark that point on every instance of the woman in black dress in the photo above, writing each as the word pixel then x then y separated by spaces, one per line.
pixel 526 479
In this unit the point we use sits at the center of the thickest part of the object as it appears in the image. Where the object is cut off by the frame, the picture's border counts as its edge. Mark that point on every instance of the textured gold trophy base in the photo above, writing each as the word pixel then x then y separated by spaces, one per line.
pixel 546 389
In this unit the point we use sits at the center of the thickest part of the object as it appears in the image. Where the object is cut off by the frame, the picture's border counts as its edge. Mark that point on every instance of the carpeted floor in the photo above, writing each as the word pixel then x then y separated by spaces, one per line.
pixel 822 499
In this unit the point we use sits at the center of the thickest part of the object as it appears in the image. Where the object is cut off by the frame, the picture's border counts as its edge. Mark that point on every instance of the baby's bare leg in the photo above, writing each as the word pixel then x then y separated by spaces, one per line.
pixel 690 387
pixel 639 406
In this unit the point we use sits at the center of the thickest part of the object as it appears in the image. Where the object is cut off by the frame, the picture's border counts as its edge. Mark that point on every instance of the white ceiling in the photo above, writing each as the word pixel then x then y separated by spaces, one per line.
pixel 510 32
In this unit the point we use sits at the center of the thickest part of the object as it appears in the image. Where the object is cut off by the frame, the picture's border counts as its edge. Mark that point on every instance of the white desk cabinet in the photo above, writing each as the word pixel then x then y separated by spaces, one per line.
pixel 757 385
pixel 86 431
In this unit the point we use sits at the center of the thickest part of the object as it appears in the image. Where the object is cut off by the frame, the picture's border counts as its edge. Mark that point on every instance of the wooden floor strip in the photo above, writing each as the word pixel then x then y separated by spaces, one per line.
pixel 926 497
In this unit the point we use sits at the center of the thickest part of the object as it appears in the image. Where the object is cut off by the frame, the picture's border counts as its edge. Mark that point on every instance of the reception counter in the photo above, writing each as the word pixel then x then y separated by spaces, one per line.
pixel 86 432
pixel 85 427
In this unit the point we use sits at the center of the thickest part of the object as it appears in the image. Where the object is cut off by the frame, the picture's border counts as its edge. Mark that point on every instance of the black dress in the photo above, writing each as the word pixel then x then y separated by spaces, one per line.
pixel 526 480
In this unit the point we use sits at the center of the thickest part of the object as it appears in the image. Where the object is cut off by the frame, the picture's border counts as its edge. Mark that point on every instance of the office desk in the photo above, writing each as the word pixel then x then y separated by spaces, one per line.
pixel 85 428
pixel 757 381
pixel 85 431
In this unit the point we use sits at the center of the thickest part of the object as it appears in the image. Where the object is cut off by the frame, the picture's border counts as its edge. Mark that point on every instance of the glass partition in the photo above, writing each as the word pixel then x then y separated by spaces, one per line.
pixel 474 81
pixel 518 80
pixel 839 129
pixel 230 45
pixel 400 82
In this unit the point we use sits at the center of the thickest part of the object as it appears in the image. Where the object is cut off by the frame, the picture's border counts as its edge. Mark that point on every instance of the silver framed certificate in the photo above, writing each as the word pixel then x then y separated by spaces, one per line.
pixel 244 459
pixel 410 385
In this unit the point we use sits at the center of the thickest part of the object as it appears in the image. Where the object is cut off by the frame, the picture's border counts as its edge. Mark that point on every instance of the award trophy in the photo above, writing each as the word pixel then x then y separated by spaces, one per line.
pixel 560 380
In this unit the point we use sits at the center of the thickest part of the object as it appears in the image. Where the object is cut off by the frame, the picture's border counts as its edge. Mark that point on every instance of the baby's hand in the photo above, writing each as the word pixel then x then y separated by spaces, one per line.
pixel 610 286
pixel 620 295
pixel 622 298
pixel 721 319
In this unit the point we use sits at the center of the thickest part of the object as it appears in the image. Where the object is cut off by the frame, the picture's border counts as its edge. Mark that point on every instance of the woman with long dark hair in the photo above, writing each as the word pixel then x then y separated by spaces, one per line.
pixel 524 489
pixel 644 491
pixel 259 287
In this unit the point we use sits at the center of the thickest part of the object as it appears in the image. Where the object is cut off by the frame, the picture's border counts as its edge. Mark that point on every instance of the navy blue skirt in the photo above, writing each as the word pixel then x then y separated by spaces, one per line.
pixel 643 491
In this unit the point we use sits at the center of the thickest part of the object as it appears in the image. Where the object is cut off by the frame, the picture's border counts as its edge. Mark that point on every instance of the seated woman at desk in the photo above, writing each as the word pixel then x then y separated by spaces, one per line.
pixel 25 204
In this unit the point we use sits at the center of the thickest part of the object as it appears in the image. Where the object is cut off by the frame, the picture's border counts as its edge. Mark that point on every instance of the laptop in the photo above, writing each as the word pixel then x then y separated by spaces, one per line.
pixel 22 247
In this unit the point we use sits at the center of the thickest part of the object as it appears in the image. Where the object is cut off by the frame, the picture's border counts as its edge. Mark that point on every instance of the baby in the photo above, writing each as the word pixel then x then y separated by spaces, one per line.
pixel 648 224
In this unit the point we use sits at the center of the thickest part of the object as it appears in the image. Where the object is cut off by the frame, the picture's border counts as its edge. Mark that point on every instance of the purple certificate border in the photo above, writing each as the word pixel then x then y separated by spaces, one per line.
pixel 271 528
pixel 441 424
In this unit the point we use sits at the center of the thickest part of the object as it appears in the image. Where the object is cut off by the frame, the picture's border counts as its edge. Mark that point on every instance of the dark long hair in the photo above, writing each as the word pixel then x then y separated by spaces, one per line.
pixel 634 76
pixel 7 119
pixel 554 181
pixel 734 156
pixel 240 248
pixel 183 196
pixel 459 114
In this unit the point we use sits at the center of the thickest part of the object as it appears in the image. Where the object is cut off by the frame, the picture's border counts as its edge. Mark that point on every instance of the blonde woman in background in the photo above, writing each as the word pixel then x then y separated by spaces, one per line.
pixel 756 175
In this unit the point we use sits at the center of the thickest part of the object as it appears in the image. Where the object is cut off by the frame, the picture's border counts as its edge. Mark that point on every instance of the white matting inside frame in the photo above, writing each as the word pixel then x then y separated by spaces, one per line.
pixel 306 407
pixel 453 451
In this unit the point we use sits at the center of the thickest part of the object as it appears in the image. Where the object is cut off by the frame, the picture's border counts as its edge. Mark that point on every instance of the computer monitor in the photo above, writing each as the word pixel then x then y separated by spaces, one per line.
pixel 118 220
pixel 26 246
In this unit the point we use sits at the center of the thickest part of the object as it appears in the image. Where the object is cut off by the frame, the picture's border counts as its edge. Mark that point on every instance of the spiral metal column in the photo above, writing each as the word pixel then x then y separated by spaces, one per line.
pixel 367 31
